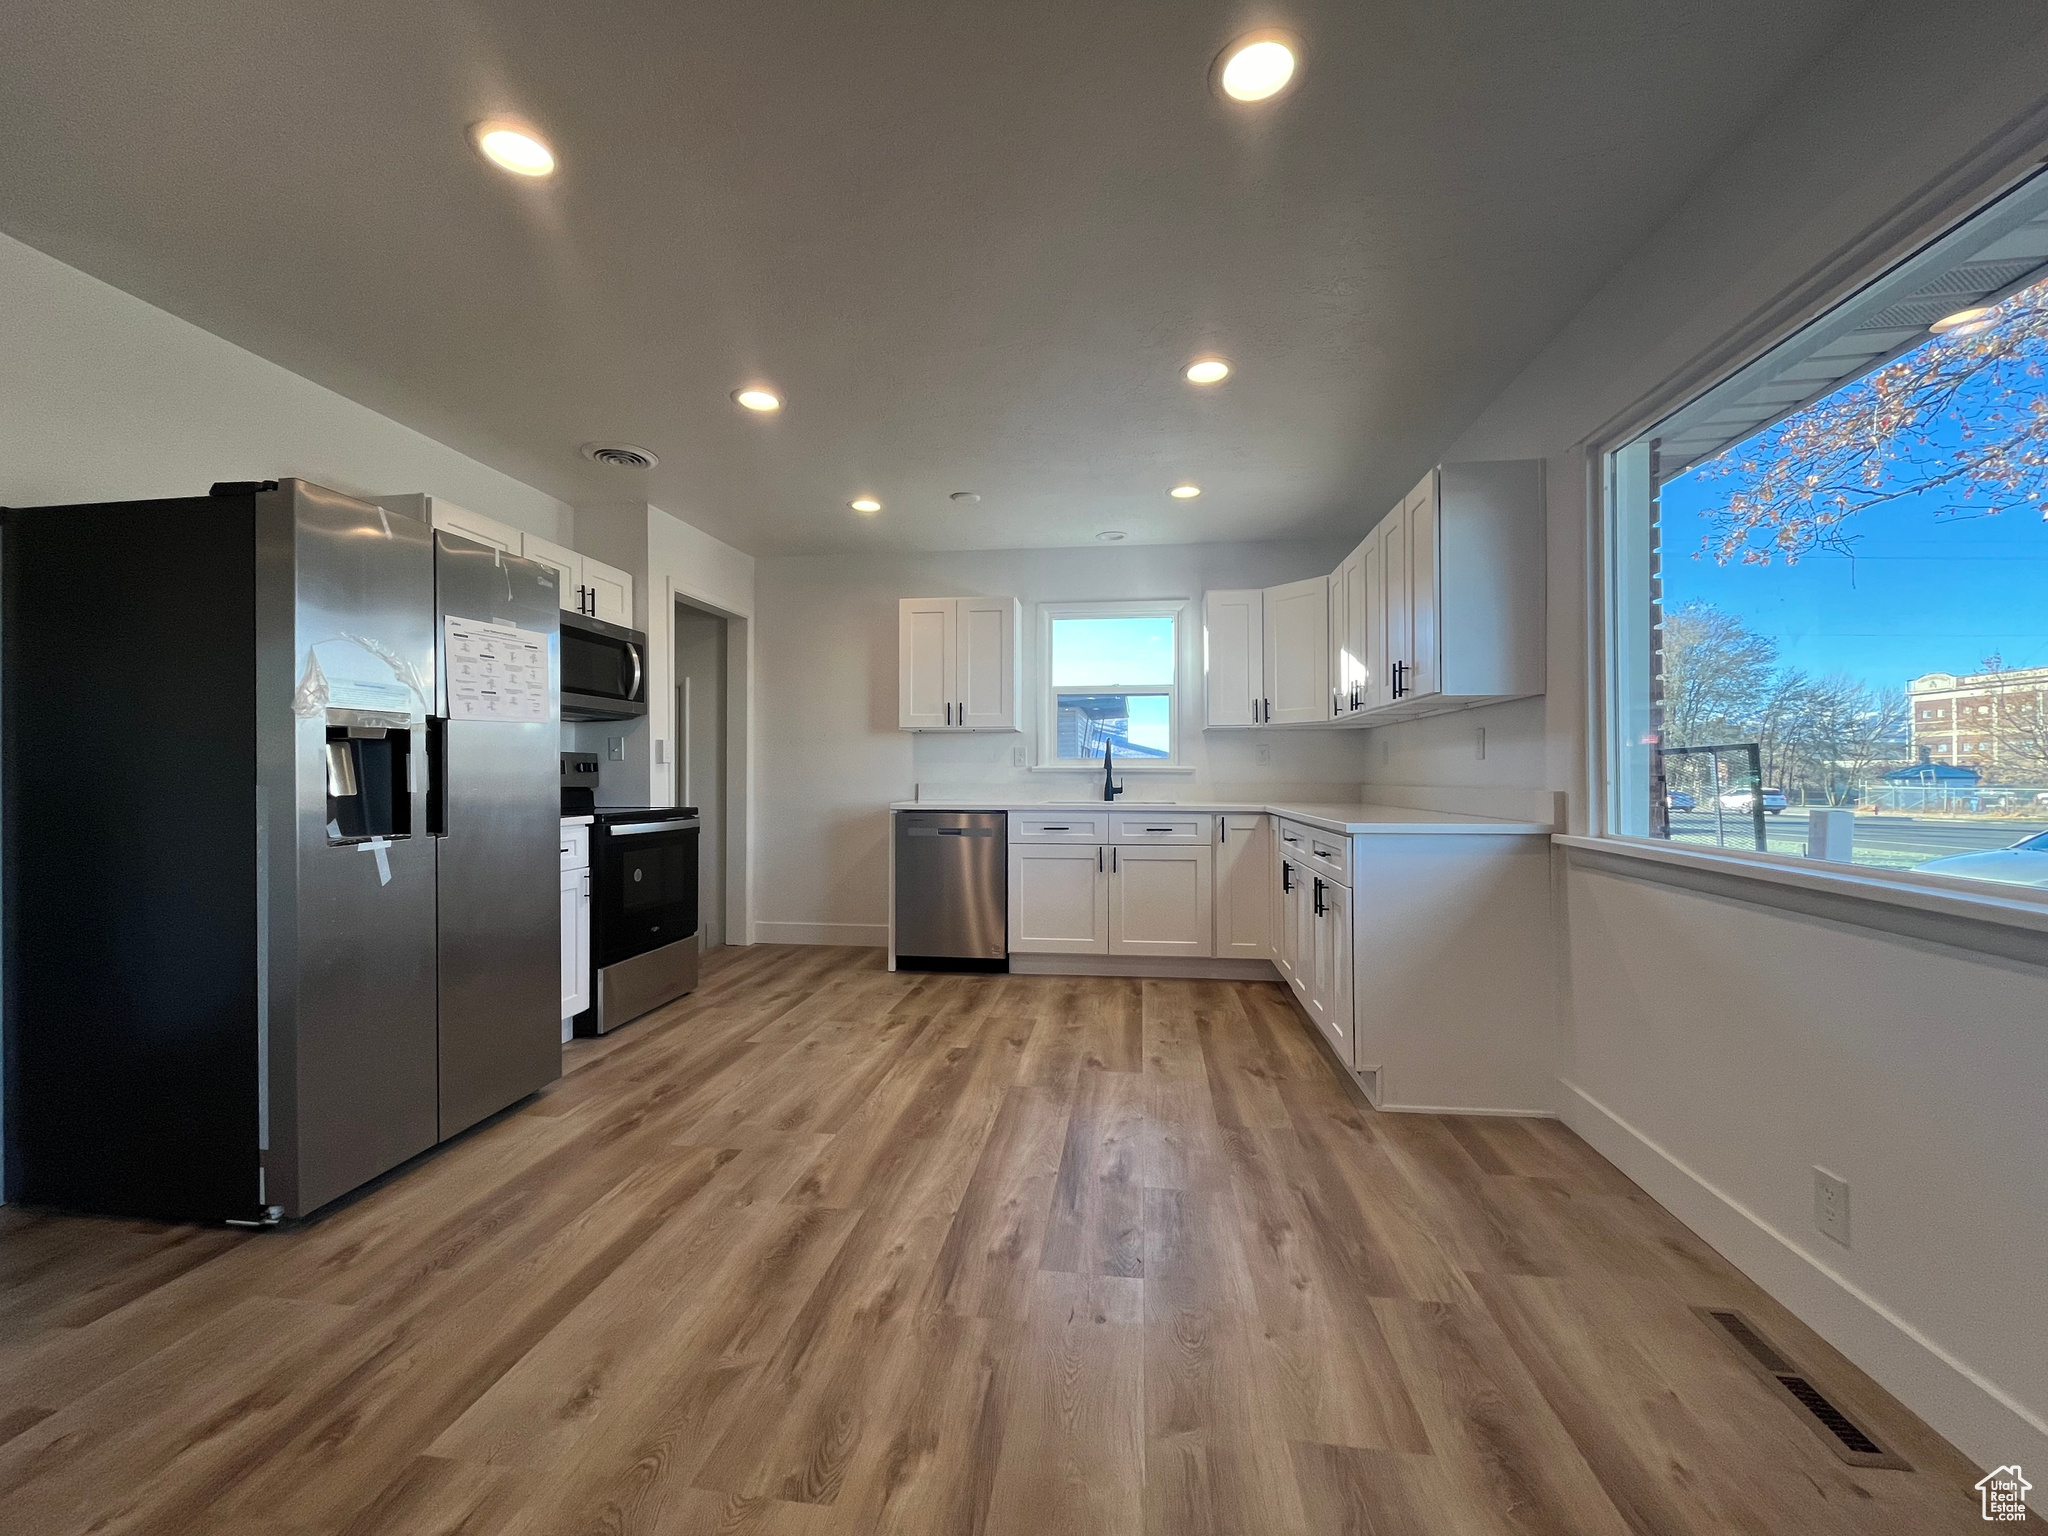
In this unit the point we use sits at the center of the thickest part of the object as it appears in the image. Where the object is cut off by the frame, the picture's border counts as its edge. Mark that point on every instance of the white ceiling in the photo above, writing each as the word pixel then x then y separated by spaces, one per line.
pixel 973 243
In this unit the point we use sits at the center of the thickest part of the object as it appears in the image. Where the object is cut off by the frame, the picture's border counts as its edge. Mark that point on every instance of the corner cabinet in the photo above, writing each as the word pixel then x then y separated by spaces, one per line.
pixel 959 663
pixel 1266 655
pixel 1244 887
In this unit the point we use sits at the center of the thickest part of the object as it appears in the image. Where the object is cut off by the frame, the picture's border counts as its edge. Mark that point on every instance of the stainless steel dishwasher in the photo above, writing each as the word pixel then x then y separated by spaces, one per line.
pixel 953 890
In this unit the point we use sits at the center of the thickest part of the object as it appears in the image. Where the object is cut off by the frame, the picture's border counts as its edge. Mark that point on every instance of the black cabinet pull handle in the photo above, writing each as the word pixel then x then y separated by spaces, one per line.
pixel 1112 861
pixel 1098 861
pixel 1286 870
pixel 1320 908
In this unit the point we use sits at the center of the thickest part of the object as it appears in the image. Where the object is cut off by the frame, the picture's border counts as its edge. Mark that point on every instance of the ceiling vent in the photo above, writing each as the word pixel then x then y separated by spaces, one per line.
pixel 620 455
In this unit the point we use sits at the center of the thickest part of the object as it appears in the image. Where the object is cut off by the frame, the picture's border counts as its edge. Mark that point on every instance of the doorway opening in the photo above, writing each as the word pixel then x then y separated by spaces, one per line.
pixel 702 649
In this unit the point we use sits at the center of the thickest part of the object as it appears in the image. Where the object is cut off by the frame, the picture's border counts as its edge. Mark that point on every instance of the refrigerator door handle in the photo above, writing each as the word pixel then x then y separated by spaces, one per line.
pixel 437 776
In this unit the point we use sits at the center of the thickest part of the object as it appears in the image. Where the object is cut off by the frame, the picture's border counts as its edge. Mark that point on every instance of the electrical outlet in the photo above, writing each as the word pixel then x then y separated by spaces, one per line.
pixel 1479 743
pixel 615 748
pixel 1831 1205
pixel 1016 757
pixel 660 749
pixel 1265 752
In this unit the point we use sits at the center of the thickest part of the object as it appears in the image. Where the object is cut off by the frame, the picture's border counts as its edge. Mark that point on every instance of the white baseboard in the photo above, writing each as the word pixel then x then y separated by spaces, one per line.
pixel 1974 1413
pixel 1453 1109
pixel 1164 969
pixel 862 935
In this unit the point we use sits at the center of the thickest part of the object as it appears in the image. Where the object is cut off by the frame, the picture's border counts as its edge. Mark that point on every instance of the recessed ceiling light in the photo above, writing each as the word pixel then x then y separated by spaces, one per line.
pixel 512 147
pixel 1109 536
pixel 755 398
pixel 866 506
pixel 965 498
pixel 1208 370
pixel 1258 66
pixel 1962 320
pixel 1185 492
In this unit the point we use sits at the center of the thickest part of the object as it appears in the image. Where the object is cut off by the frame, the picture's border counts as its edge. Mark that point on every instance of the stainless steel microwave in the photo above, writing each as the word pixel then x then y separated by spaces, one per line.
pixel 604 670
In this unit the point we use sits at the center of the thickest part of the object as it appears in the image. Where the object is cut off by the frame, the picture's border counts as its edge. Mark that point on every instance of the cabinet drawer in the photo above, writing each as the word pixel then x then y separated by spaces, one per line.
pixel 575 847
pixel 1327 853
pixel 1152 827
pixel 1084 827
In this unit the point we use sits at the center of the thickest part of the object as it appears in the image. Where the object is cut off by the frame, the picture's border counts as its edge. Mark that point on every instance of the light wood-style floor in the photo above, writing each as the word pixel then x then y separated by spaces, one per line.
pixel 823 1249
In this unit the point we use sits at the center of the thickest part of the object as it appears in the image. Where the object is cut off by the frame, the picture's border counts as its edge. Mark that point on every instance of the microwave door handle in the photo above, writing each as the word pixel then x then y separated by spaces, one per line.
pixel 634 652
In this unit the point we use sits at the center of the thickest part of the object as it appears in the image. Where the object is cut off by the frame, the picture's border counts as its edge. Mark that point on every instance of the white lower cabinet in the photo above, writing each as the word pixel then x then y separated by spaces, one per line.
pixel 1329 998
pixel 1059 899
pixel 1159 901
pixel 1081 899
pixel 575 941
pixel 1314 950
pixel 1289 939
pixel 1244 888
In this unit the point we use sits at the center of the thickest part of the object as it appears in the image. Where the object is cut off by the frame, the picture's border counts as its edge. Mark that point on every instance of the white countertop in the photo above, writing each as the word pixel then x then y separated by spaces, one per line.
pixel 578 821
pixel 1346 820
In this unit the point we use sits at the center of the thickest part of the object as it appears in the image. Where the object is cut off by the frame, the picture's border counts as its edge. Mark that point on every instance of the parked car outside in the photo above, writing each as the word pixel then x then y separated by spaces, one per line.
pixel 1739 800
pixel 1678 800
pixel 2024 863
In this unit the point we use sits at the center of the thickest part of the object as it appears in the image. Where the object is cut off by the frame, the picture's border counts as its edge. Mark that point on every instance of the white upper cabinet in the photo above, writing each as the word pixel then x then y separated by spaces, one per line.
pixel 474 525
pixel 1233 665
pixel 1448 610
pixel 610 592
pixel 985 694
pixel 1422 677
pixel 1348 607
pixel 1297 652
pixel 958 663
pixel 588 586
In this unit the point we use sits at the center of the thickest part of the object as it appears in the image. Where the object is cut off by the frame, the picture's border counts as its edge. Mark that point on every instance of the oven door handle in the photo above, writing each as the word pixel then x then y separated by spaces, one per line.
pixel 633 691
pixel 636 828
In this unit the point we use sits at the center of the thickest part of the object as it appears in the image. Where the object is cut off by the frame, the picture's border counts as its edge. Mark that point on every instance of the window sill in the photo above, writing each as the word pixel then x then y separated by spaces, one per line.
pixel 1122 768
pixel 1986 921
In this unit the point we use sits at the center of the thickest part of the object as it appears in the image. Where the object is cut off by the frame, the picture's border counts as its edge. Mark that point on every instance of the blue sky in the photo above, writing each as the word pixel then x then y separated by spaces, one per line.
pixel 1922 593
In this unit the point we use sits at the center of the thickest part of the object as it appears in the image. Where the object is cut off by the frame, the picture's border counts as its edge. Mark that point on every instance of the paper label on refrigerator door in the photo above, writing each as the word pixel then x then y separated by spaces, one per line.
pixel 495 672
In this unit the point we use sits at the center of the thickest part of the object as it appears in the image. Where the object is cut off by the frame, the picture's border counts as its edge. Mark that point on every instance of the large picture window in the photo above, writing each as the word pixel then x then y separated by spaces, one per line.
pixel 1111 675
pixel 1828 580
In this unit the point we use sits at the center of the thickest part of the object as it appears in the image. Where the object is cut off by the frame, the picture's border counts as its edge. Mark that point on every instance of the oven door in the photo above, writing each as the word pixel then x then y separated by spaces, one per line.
pixel 645 888
pixel 604 673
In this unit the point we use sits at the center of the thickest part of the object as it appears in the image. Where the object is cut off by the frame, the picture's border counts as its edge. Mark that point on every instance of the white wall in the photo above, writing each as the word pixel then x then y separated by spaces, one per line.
pixel 1716 1046
pixel 831 757
pixel 105 398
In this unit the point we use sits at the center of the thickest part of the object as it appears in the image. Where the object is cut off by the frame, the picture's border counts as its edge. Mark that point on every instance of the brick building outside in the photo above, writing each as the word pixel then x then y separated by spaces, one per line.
pixel 1994 722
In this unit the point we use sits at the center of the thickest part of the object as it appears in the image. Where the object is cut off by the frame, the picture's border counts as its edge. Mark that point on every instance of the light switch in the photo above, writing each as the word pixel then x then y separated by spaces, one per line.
pixel 615 748
pixel 661 749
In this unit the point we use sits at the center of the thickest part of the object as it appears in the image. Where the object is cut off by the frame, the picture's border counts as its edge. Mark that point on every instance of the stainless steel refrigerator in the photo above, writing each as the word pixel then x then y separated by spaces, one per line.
pixel 262 943
pixel 498 828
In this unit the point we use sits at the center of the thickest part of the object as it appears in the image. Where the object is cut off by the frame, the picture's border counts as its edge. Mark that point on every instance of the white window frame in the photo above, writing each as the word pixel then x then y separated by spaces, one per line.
pixel 1914 898
pixel 1174 608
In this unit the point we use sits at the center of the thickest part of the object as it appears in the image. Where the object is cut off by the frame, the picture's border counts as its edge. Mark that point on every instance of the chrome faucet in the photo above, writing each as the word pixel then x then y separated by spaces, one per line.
pixel 1110 788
